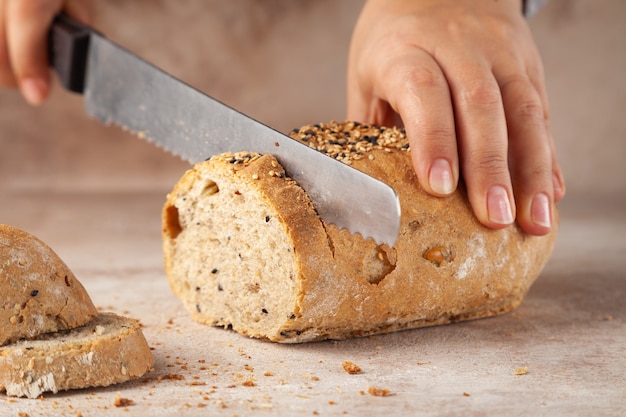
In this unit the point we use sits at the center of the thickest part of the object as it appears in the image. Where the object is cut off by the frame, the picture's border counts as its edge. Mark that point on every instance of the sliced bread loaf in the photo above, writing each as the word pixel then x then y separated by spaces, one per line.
pixel 109 349
pixel 40 294
pixel 244 248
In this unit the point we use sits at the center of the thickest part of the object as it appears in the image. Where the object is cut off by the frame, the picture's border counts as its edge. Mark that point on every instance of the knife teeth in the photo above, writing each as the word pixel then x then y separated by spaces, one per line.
pixel 144 135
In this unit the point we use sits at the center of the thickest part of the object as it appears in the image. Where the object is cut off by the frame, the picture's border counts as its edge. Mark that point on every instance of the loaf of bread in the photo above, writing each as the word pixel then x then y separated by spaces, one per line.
pixel 109 349
pixel 40 294
pixel 245 249
pixel 52 337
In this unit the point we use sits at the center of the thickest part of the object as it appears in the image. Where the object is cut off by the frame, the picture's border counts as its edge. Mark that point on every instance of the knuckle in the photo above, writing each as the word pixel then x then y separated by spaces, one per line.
pixel 437 139
pixel 492 162
pixel 481 93
pixel 530 109
pixel 420 77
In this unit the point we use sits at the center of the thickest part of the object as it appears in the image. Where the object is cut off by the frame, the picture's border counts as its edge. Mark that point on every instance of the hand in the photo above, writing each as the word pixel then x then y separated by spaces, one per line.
pixel 24 26
pixel 466 81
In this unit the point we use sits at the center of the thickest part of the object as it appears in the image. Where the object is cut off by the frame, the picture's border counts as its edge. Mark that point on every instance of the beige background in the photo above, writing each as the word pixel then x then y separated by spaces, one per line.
pixel 284 63
pixel 94 194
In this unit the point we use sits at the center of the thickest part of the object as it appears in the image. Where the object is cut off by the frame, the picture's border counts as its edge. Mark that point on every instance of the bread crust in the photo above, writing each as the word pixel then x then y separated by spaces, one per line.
pixel 445 266
pixel 108 350
pixel 40 294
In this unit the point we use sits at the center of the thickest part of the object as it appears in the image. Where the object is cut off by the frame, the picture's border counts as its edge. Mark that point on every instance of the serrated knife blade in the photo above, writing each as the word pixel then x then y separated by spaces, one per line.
pixel 122 89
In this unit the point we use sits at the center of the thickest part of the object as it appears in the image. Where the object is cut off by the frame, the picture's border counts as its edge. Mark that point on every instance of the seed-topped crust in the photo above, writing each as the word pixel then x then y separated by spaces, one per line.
pixel 350 141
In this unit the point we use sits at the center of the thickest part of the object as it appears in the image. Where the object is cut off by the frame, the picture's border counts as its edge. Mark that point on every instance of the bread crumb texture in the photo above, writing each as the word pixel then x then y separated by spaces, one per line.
pixel 245 249
pixel 109 349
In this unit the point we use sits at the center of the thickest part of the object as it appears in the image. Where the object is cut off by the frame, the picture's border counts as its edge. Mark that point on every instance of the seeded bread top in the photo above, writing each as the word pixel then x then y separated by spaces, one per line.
pixel 350 141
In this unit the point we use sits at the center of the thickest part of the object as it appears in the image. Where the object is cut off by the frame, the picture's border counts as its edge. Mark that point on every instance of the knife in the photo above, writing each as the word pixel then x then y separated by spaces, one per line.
pixel 122 89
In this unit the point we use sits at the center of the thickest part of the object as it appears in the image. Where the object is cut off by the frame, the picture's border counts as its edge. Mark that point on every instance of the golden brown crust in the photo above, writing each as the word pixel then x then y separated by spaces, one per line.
pixel 109 350
pixel 40 294
pixel 444 267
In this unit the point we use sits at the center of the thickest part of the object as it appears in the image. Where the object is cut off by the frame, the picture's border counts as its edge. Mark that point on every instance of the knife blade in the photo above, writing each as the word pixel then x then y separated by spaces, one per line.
pixel 122 89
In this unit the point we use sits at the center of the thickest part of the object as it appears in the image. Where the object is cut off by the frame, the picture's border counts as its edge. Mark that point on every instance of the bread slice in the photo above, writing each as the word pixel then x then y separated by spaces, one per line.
pixel 110 349
pixel 244 248
pixel 39 292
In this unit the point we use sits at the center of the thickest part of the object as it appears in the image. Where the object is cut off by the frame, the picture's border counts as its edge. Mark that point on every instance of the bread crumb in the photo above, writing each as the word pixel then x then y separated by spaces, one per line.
pixel 249 383
pixel 22 415
pixel 466 394
pixel 521 371
pixel 378 392
pixel 351 367
pixel 122 402
pixel 608 317
pixel 170 376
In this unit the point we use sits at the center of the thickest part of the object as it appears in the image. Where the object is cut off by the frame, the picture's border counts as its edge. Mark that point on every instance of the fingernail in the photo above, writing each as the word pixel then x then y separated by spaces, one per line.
pixel 540 210
pixel 440 177
pixel 499 206
pixel 34 90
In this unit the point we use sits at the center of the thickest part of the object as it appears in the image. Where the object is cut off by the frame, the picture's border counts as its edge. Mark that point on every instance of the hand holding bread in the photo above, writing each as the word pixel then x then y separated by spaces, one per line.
pixel 244 248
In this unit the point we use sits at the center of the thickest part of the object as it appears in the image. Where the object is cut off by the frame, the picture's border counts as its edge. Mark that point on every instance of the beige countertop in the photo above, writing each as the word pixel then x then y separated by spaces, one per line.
pixel 569 335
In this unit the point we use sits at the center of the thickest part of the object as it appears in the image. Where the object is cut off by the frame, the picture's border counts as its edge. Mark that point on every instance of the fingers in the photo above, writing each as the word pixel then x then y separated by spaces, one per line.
pixel 27 26
pixel 482 137
pixel 531 155
pixel 24 27
pixel 413 86
pixel 6 73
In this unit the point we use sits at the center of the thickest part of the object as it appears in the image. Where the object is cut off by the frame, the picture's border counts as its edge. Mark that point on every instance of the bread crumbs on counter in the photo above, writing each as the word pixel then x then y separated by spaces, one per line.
pixel 466 394
pixel 521 371
pixel 171 377
pixel 351 367
pixel 120 401
pixel 378 392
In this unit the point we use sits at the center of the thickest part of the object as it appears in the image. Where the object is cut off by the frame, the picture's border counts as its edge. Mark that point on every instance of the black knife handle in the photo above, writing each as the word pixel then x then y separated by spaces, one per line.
pixel 68 46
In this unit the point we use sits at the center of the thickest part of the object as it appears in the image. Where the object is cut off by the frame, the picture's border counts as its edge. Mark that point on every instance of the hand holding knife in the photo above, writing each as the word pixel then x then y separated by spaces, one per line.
pixel 121 88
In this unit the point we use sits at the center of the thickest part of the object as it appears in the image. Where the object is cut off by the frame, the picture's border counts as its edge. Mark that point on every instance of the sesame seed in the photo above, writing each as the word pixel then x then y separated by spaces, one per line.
pixel 350 141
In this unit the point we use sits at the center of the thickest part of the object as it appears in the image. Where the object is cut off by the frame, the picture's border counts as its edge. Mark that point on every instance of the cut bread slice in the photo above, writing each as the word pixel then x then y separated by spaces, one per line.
pixel 108 350
pixel 40 294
